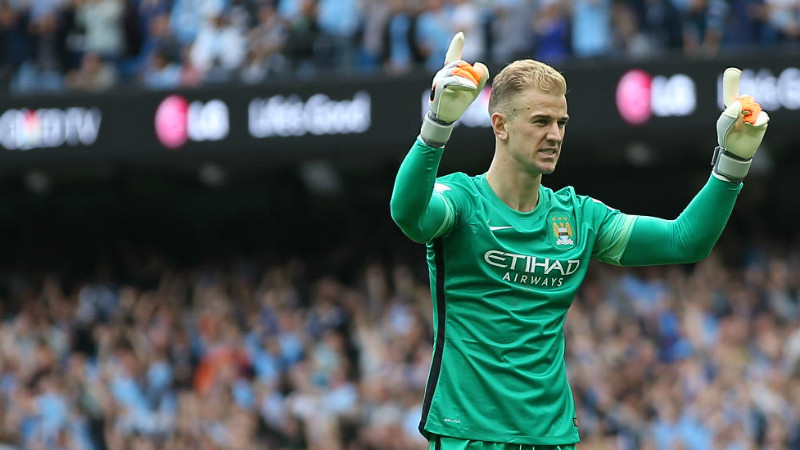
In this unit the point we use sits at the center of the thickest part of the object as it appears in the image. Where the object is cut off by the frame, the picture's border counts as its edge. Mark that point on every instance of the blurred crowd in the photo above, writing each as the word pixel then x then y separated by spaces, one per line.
pixel 91 45
pixel 243 357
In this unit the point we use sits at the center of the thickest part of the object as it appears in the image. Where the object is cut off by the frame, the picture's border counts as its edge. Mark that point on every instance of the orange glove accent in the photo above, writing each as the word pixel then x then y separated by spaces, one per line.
pixel 750 109
pixel 467 71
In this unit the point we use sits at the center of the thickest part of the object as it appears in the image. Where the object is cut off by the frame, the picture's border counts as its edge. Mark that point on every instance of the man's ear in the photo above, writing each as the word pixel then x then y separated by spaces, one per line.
pixel 499 122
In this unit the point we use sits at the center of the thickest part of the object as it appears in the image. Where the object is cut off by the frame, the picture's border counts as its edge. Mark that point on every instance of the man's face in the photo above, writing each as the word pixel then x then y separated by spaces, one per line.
pixel 535 130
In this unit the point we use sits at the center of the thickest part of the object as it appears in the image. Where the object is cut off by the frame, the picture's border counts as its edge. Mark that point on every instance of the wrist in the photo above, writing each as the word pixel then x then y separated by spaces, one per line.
pixel 730 166
pixel 435 132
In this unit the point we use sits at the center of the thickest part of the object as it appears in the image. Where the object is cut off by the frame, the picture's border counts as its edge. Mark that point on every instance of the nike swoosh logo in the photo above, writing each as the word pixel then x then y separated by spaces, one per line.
pixel 500 228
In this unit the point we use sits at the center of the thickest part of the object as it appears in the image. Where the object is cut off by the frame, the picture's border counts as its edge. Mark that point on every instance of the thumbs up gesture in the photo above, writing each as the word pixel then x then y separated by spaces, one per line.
pixel 454 88
pixel 740 129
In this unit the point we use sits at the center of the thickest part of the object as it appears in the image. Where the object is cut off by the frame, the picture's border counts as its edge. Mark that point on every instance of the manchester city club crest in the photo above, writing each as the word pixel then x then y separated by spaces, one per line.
pixel 563 231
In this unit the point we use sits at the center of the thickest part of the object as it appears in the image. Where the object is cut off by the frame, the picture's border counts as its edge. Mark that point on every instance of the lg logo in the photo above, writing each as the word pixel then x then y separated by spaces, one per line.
pixel 178 121
pixel 640 96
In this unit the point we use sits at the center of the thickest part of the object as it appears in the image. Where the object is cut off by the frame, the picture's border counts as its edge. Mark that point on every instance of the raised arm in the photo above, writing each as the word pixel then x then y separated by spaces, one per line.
pixel 420 214
pixel 694 233
pixel 688 238
pixel 417 211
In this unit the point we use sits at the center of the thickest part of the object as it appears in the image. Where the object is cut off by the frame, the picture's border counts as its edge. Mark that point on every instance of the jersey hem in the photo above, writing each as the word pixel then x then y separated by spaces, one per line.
pixel 462 433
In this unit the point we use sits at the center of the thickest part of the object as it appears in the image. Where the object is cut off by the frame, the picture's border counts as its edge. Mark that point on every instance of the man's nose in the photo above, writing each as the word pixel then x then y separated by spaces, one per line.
pixel 554 133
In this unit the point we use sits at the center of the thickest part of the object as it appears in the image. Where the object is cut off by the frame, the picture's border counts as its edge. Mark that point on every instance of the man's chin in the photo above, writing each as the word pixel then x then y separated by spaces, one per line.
pixel 547 169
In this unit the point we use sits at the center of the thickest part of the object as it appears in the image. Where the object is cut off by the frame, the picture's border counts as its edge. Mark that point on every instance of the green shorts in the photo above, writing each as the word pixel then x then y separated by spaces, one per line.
pixel 448 443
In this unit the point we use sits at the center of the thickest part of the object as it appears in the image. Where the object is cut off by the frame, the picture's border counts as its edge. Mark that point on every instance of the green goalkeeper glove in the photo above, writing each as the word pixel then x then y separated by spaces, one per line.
pixel 740 129
pixel 454 88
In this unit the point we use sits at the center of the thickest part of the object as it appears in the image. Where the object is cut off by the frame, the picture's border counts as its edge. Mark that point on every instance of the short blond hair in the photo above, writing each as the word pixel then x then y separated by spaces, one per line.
pixel 520 75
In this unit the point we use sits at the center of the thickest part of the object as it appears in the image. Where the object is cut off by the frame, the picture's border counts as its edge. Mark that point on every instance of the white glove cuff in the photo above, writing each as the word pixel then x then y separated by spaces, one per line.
pixel 729 165
pixel 435 132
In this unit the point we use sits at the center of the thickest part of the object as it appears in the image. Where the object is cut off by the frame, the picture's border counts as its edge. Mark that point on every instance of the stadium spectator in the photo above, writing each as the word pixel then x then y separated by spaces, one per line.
pixel 591 28
pixel 162 72
pixel 190 74
pixel 662 22
pixel 367 35
pixel 147 11
pixel 376 14
pixel 94 74
pixel 703 27
pixel 433 28
pixel 338 22
pixel 291 9
pixel 629 39
pixel 301 42
pixel 745 24
pixel 266 42
pixel 14 41
pixel 188 16
pixel 400 37
pixel 468 17
pixel 102 23
pixel 510 28
pixel 158 39
pixel 43 70
pixel 659 358
pixel 219 50
pixel 784 18
pixel 550 36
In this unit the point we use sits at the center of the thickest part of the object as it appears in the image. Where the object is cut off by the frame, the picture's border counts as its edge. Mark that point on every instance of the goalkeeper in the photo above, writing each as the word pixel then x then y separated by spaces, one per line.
pixel 507 254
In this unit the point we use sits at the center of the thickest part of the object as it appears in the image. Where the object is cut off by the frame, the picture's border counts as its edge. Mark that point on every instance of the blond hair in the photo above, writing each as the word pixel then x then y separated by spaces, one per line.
pixel 520 75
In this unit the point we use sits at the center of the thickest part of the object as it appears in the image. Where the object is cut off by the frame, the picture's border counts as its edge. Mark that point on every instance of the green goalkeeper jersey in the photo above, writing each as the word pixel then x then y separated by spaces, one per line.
pixel 502 282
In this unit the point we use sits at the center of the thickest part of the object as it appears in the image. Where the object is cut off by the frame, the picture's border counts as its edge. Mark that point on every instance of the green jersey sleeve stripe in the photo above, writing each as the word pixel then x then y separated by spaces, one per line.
pixel 449 215
pixel 613 239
